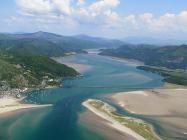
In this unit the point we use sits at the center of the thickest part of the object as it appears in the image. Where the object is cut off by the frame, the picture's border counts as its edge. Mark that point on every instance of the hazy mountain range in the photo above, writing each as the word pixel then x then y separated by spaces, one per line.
pixel 25 57
pixel 49 44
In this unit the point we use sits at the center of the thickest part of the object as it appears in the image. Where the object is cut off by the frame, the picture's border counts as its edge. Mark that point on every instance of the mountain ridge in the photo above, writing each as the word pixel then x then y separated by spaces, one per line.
pixel 51 44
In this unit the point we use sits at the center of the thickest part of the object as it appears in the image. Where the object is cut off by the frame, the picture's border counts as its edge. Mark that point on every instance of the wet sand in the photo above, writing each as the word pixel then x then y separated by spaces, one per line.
pixel 100 126
pixel 168 106
pixel 131 62
pixel 12 104
pixel 81 68
pixel 111 121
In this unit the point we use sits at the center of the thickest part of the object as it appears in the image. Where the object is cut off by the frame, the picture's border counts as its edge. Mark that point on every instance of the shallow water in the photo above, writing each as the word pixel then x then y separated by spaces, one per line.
pixel 60 121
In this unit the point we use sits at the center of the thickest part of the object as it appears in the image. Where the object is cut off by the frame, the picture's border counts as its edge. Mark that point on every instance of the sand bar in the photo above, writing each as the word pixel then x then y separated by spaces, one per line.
pixel 111 122
pixel 81 68
pixel 131 62
pixel 90 121
pixel 166 105
pixel 13 104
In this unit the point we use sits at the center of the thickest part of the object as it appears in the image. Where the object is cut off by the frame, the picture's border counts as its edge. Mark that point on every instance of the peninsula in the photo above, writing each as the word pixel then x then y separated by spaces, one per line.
pixel 137 128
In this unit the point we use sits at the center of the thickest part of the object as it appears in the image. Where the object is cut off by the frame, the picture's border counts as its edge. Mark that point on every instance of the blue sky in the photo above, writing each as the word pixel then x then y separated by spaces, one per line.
pixel 108 18
pixel 154 6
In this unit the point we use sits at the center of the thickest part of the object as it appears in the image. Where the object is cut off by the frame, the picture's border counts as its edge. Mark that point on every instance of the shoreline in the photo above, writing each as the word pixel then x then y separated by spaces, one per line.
pixel 112 122
pixel 81 68
pixel 129 61
pixel 97 125
pixel 165 105
pixel 132 62
pixel 167 85
pixel 8 105
pixel 143 94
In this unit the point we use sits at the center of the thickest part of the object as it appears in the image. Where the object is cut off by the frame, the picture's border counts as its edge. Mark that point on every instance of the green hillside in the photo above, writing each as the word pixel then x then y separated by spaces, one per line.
pixel 173 57
pixel 171 76
pixel 35 47
pixel 168 61
pixel 31 71
pixel 49 44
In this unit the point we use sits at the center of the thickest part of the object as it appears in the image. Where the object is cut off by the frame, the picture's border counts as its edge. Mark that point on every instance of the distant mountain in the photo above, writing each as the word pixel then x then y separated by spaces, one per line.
pixel 109 43
pixel 36 47
pixel 154 41
pixel 49 44
pixel 40 34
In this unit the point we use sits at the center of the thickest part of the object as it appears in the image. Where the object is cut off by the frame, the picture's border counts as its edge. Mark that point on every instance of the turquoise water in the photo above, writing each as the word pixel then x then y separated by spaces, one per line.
pixel 60 121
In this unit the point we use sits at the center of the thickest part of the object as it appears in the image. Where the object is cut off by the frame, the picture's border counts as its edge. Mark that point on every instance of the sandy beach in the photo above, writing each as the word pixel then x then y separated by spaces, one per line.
pixel 131 62
pixel 98 125
pixel 113 123
pixel 81 68
pixel 12 104
pixel 166 105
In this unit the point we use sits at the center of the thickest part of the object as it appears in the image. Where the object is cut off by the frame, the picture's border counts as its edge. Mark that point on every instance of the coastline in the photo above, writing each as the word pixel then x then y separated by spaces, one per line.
pixel 165 105
pixel 112 122
pixel 8 105
pixel 91 122
pixel 131 62
pixel 174 119
pixel 173 86
pixel 81 68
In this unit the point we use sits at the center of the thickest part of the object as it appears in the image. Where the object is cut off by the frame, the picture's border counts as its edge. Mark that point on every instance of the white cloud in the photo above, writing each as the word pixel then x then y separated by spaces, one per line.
pixel 62 6
pixel 103 5
pixel 34 6
pixel 45 6
pixel 99 15
pixel 168 22
pixel 80 2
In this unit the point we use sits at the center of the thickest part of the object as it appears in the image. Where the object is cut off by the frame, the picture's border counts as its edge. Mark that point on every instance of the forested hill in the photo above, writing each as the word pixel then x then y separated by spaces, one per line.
pixel 49 44
pixel 168 61
pixel 173 57
pixel 25 58
pixel 27 71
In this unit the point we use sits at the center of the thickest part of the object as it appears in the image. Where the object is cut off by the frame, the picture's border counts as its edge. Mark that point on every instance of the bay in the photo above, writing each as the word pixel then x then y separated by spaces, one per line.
pixel 105 76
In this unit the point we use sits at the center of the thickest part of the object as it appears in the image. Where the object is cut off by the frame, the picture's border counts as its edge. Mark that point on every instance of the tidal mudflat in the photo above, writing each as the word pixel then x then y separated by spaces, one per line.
pixel 165 105
pixel 106 76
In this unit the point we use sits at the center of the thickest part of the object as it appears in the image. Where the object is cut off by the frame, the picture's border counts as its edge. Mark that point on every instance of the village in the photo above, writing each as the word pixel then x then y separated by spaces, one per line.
pixel 7 91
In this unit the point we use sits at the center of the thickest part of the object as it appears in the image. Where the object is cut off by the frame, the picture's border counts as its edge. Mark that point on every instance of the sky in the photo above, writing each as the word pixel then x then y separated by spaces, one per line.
pixel 164 19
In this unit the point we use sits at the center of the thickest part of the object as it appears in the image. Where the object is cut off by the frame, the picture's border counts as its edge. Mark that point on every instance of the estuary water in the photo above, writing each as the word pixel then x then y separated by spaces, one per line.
pixel 104 76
